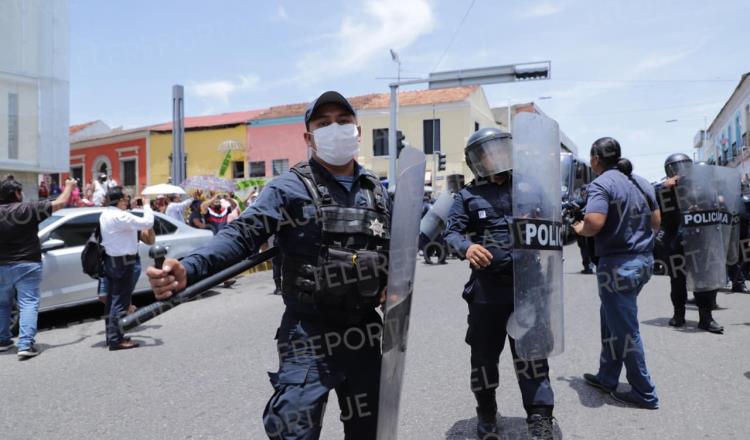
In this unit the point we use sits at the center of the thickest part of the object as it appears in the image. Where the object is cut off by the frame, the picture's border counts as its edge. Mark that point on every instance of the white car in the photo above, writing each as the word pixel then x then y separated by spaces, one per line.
pixel 63 236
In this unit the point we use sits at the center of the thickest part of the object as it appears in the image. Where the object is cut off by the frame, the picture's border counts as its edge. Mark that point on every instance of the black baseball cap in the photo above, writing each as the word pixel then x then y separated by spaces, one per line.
pixel 329 97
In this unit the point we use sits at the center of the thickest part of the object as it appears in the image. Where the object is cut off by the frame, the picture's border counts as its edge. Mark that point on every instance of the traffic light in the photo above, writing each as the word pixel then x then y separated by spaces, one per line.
pixel 441 162
pixel 399 142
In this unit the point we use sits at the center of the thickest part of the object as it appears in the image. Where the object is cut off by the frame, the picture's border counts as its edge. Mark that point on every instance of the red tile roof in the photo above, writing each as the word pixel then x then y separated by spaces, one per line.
pixel 73 129
pixel 234 118
pixel 380 100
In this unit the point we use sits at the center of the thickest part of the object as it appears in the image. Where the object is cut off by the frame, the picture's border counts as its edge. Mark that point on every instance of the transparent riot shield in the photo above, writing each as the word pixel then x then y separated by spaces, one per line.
pixel 709 198
pixel 537 320
pixel 402 260
pixel 433 223
pixel 730 199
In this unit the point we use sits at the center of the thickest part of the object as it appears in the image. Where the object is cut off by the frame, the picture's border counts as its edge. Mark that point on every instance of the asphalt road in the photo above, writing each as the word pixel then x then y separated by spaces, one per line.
pixel 201 372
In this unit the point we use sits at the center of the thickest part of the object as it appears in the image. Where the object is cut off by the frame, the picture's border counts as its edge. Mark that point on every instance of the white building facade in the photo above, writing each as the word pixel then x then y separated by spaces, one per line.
pixel 34 72
pixel 726 140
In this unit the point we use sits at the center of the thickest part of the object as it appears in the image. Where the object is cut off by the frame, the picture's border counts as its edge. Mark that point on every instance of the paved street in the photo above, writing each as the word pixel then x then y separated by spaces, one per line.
pixel 202 371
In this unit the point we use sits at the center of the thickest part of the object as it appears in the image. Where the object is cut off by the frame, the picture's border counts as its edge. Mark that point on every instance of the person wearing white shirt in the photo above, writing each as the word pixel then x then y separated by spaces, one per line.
pixel 99 190
pixel 176 208
pixel 119 230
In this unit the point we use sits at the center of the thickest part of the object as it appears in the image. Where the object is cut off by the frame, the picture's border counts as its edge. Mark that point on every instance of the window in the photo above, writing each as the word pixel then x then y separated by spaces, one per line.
pixel 431 131
pixel 12 125
pixel 476 126
pixel 77 230
pixel 129 176
pixel 280 166
pixel 258 169
pixel 380 142
pixel 77 173
pixel 163 227
pixel 238 169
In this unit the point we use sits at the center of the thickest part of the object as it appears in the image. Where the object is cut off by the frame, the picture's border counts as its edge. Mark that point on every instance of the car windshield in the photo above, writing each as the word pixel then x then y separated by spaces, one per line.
pixel 48 221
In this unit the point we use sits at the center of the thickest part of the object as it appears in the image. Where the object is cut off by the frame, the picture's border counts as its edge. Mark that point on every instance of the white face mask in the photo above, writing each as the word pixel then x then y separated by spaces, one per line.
pixel 336 144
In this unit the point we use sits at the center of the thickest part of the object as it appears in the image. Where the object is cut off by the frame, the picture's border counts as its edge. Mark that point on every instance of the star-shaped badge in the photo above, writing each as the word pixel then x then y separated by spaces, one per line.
pixel 377 228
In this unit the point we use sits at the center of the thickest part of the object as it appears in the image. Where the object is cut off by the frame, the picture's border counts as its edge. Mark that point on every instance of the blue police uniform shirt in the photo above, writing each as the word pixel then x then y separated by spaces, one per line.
pixel 284 209
pixel 483 214
pixel 627 229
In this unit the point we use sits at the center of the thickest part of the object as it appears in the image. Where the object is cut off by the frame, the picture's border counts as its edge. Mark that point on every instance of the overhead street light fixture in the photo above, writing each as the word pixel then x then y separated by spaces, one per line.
pixel 455 78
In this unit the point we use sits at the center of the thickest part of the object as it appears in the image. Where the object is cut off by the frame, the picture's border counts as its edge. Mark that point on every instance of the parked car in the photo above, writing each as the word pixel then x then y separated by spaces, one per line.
pixel 63 236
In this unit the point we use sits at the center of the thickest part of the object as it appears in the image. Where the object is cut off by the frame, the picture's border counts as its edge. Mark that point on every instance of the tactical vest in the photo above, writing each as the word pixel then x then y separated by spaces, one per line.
pixel 351 266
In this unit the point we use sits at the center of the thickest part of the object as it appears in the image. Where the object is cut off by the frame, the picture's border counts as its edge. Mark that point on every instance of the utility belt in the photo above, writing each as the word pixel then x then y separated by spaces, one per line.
pixel 344 279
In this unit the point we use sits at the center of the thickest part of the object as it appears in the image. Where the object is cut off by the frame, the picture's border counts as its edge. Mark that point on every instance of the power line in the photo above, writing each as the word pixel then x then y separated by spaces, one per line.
pixel 455 34
pixel 647 109
pixel 708 80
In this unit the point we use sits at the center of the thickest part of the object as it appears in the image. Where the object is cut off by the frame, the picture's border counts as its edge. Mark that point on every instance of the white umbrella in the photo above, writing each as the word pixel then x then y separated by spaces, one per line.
pixel 162 188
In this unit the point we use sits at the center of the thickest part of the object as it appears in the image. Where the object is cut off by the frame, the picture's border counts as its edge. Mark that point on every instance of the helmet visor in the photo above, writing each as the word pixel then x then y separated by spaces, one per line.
pixel 678 168
pixel 491 157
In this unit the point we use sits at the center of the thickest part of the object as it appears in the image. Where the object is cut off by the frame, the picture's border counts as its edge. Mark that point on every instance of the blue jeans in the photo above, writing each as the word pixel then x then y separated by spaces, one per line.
pixel 120 281
pixel 21 279
pixel 314 358
pixel 621 279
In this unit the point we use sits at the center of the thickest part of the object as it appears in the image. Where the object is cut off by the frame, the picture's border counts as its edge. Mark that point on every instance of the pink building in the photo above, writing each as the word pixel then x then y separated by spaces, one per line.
pixel 275 140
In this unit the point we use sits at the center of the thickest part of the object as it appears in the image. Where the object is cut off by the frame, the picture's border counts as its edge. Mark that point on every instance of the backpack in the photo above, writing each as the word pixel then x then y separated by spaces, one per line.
pixel 93 254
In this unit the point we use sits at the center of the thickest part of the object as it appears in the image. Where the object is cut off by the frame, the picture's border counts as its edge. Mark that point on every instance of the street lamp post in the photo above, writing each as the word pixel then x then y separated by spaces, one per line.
pixel 457 78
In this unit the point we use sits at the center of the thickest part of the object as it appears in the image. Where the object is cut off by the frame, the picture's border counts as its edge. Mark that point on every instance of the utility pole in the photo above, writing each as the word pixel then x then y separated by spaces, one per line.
pixel 178 134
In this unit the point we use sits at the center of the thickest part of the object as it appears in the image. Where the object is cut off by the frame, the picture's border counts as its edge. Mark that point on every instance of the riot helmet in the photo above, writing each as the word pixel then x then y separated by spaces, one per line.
pixel 677 164
pixel 489 151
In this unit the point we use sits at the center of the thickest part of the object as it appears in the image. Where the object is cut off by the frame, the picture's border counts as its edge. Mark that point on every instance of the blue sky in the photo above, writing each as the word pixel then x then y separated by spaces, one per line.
pixel 619 68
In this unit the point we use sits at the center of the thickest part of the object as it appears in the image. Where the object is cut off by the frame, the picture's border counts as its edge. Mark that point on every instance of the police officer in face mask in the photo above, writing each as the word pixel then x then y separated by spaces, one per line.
pixel 331 222
pixel 479 228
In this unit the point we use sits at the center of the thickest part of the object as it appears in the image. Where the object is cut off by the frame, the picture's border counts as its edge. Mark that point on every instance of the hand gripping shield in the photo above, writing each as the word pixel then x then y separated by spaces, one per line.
pixel 402 260
pixel 537 321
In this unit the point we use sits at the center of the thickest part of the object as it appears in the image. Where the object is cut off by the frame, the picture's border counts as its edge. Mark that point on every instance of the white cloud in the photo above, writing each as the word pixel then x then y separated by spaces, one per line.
pixel 221 90
pixel 543 9
pixel 385 24
pixel 281 11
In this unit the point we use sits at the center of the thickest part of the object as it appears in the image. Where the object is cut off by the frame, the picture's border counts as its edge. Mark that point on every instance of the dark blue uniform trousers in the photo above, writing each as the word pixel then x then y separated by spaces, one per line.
pixel 316 357
pixel 486 336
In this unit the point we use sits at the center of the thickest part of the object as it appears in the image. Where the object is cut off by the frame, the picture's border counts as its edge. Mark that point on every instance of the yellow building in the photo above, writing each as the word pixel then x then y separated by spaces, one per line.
pixel 208 139
pixel 431 120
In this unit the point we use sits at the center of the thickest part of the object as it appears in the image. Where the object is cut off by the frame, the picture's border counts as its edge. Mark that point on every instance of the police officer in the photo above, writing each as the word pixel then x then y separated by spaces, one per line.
pixel 671 240
pixel 331 220
pixel 479 228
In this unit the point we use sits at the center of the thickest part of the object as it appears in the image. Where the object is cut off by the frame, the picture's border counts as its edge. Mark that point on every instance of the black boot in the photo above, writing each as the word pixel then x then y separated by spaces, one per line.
pixel 678 320
pixel 487 424
pixel 706 322
pixel 540 427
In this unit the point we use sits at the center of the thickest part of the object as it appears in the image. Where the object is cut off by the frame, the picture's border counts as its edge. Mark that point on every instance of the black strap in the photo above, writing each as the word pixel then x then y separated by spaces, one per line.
pixel 649 202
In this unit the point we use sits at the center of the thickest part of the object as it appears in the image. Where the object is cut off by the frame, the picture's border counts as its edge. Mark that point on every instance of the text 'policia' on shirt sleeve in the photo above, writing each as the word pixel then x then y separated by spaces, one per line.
pixel 240 239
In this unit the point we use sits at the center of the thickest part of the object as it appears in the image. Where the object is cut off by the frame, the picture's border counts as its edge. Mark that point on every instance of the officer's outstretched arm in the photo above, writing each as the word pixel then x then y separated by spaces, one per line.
pixel 240 239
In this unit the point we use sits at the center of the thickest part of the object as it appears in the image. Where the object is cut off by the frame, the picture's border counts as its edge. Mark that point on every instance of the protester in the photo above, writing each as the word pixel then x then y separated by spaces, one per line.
pixel 99 190
pixel 622 215
pixel 43 191
pixel 21 261
pixel 216 213
pixel 196 219
pixel 176 208
pixel 120 241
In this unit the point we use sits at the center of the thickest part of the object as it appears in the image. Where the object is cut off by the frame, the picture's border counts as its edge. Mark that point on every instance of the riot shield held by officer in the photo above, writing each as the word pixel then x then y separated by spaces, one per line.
pixel 479 229
pixel 332 223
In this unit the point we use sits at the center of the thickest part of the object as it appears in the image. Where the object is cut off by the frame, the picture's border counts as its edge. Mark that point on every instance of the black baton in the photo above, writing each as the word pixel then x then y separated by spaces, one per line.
pixel 157 308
